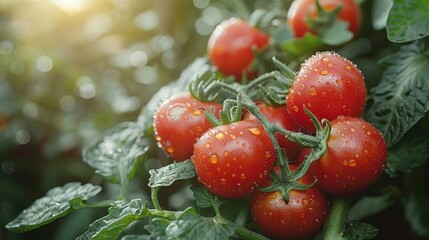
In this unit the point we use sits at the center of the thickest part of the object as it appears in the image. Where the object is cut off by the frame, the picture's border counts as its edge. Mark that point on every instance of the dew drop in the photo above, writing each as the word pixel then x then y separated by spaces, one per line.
pixel 325 59
pixel 267 154
pixel 243 176
pixel 225 153
pixel 352 163
pixel 304 202
pixel 232 136
pixel 348 67
pixel 255 130
pixel 223 181
pixel 312 91
pixel 169 149
pixel 157 137
pixel 219 135
pixel 207 145
pixel 213 158
pixel 352 129
pixel 197 112
pixel 323 72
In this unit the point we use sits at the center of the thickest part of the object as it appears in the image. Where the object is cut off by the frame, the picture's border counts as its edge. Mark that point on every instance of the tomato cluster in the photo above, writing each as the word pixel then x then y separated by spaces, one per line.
pixel 235 159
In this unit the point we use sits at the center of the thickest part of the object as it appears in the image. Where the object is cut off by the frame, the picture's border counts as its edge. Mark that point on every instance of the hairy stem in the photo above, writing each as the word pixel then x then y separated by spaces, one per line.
pixel 154 198
pixel 336 220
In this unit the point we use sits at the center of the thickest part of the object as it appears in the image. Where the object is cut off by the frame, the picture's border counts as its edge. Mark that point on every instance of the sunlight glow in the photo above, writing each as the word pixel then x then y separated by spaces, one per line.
pixel 71 5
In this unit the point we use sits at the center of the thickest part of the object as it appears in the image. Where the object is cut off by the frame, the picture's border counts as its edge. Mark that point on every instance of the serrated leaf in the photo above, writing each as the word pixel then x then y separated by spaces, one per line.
pixel 370 205
pixel 121 214
pixel 416 201
pixel 308 44
pixel 167 175
pixel 408 20
pixel 412 151
pixel 114 155
pixel 402 97
pixel 204 199
pixel 358 230
pixel 57 203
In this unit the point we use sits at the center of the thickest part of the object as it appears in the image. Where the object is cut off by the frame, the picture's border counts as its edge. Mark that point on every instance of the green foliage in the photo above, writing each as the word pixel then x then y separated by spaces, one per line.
pixel 408 20
pixel 204 199
pixel 412 151
pixel 167 175
pixel 358 231
pixel 114 155
pixel 121 214
pixel 57 203
pixel 402 97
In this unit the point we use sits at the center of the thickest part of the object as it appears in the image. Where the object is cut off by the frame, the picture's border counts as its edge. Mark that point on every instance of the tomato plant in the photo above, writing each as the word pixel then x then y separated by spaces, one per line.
pixel 303 15
pixel 231 160
pixel 301 217
pixel 355 158
pixel 232 44
pixel 179 121
pixel 363 141
pixel 329 86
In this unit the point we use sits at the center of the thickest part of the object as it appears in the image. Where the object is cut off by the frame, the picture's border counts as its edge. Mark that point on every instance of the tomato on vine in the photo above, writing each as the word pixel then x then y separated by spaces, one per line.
pixel 356 156
pixel 231 46
pixel 179 121
pixel 302 12
pixel 280 117
pixel 230 160
pixel 302 217
pixel 329 86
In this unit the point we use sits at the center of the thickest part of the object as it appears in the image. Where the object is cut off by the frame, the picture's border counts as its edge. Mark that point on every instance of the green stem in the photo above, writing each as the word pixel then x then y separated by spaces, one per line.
pixel 247 234
pixel 100 204
pixel 337 219
pixel 154 198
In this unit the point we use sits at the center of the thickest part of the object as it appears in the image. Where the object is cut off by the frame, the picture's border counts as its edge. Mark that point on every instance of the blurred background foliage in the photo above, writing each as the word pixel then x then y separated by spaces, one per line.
pixel 69 70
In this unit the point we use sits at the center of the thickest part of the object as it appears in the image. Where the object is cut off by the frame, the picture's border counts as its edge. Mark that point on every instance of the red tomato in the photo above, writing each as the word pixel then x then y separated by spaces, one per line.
pixel 280 117
pixel 230 160
pixel 355 158
pixel 179 122
pixel 302 217
pixel 230 47
pixel 300 10
pixel 329 86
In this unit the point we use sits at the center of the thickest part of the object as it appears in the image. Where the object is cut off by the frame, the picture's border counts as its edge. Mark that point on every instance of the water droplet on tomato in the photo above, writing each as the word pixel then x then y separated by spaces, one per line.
pixel 312 90
pixel 352 163
pixel 243 176
pixel 323 72
pixel 213 158
pixel 325 59
pixel 207 145
pixel 352 129
pixel 169 149
pixel 295 108
pixel 348 67
pixel 304 202
pixel 197 112
pixel 157 137
pixel 223 181
pixel 254 130
pixel 219 135
pixel 232 136
pixel 225 153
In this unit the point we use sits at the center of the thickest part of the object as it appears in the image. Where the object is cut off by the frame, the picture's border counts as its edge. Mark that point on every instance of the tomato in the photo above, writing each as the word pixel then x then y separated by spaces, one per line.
pixel 303 216
pixel 329 86
pixel 178 122
pixel 230 160
pixel 280 117
pixel 231 46
pixel 356 156
pixel 300 10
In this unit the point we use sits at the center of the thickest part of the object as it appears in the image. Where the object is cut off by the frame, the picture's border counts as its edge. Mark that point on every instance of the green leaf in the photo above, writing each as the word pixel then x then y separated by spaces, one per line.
pixel 57 203
pixel 167 175
pixel 114 155
pixel 306 45
pixel 204 199
pixel 370 205
pixel 380 12
pixel 408 20
pixel 416 201
pixel 121 214
pixel 336 34
pixel 401 98
pixel 357 230
pixel 412 151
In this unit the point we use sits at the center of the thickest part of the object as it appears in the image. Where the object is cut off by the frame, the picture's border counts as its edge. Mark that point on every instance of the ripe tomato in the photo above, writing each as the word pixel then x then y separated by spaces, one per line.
pixel 300 10
pixel 230 47
pixel 303 216
pixel 355 158
pixel 280 117
pixel 329 86
pixel 178 122
pixel 230 160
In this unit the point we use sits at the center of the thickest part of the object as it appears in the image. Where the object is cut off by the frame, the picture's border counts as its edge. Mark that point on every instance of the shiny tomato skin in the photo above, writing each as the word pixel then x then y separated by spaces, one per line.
pixel 356 156
pixel 301 9
pixel 302 217
pixel 230 46
pixel 329 86
pixel 280 117
pixel 178 122
pixel 230 160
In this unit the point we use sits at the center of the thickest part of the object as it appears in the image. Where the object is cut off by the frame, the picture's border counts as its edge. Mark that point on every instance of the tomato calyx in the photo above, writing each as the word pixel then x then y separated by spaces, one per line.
pixel 327 22
pixel 231 112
